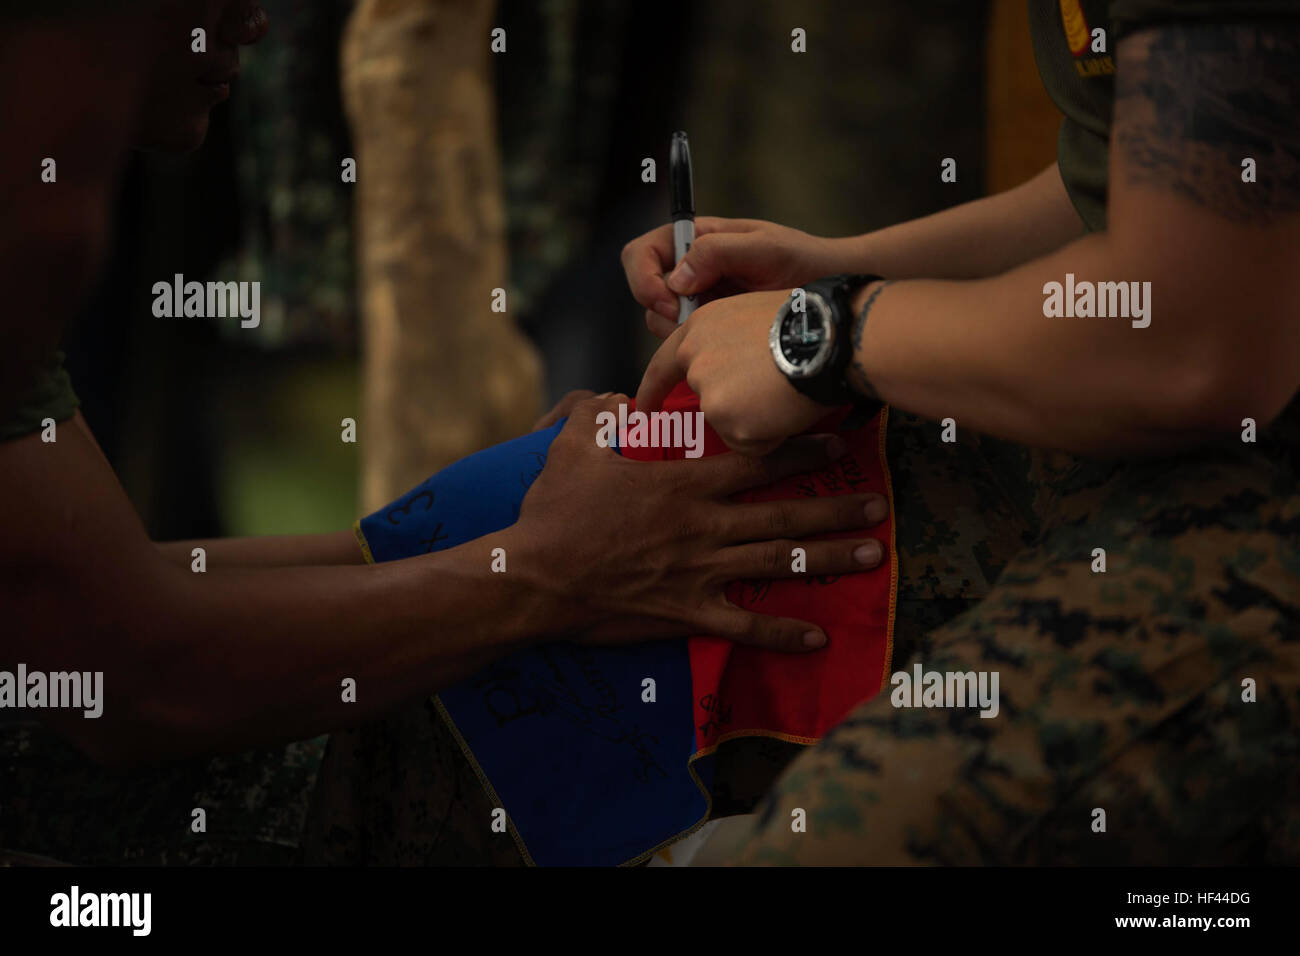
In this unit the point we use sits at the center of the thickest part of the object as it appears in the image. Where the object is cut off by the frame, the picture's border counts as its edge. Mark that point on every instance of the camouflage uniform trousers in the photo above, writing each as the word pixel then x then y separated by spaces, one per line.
pixel 1120 691
pixel 57 806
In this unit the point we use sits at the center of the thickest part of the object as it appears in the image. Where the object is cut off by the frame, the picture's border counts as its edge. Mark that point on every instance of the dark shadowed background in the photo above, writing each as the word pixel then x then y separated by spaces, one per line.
pixel 217 430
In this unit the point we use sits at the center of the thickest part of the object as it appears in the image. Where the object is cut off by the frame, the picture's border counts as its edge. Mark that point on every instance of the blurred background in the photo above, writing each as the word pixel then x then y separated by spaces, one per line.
pixel 475 170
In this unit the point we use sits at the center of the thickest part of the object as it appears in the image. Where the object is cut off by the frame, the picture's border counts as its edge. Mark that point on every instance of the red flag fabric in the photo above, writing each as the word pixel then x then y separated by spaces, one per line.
pixel 740 690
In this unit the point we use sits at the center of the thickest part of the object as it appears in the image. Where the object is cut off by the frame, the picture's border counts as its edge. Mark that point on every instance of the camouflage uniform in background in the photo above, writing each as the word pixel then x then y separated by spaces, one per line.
pixel 1121 691
pixel 57 804
pixel 399 792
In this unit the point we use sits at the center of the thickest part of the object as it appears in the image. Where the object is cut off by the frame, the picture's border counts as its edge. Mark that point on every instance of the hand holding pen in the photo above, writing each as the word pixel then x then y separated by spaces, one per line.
pixel 740 255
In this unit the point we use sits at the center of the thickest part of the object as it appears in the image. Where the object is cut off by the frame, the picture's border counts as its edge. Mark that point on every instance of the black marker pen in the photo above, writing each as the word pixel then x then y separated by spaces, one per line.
pixel 683 212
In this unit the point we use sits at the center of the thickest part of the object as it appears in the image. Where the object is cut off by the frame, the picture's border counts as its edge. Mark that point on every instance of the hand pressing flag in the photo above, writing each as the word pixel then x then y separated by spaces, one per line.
pixel 602 755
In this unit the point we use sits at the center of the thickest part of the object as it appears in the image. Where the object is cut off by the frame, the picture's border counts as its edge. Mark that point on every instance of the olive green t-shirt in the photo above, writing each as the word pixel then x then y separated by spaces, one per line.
pixel 1077 65
pixel 49 395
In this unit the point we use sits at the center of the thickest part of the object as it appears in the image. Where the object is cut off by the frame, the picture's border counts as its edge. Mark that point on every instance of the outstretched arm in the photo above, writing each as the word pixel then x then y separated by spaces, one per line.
pixel 606 549
pixel 269 551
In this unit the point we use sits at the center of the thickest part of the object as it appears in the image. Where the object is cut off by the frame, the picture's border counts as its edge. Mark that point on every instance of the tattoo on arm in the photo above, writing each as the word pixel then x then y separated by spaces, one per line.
pixel 1193 100
pixel 858 380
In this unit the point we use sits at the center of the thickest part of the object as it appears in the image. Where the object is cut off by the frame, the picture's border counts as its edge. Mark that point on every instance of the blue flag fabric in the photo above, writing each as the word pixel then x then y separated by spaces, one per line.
pixel 565 737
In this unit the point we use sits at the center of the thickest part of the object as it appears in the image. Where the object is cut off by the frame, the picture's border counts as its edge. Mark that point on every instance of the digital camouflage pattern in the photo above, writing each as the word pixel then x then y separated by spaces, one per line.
pixel 399 792
pixel 57 804
pixel 1120 690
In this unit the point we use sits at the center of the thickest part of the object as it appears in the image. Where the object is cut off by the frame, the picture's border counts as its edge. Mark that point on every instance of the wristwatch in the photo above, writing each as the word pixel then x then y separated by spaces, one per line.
pixel 811 338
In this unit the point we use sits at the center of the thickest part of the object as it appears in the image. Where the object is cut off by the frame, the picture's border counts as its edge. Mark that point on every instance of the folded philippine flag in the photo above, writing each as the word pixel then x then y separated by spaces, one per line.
pixel 593 764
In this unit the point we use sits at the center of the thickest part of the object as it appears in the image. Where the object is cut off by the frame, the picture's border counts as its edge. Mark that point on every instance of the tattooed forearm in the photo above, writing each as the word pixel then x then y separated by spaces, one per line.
pixel 1194 100
pixel 858 380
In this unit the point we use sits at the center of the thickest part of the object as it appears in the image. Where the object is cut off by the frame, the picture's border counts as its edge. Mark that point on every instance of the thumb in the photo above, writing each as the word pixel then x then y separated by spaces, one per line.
pixel 711 257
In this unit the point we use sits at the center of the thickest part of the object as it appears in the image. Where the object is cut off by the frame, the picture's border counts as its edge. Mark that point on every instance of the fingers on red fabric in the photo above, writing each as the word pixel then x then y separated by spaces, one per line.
pixel 663 373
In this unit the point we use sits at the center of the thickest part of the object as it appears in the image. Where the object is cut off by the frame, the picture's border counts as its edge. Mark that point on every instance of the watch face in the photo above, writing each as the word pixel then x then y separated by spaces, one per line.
pixel 802 340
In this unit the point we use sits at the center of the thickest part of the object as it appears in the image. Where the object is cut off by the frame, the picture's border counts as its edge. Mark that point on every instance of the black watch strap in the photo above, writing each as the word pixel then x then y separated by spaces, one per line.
pixel 830 386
